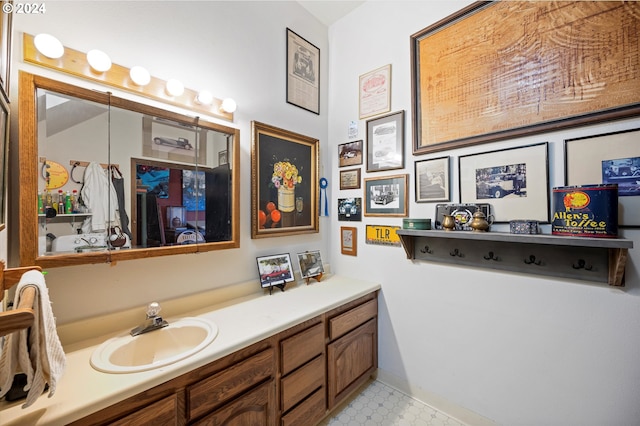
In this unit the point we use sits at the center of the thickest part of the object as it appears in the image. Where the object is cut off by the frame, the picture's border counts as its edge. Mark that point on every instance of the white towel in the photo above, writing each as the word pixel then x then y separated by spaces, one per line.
pixel 38 354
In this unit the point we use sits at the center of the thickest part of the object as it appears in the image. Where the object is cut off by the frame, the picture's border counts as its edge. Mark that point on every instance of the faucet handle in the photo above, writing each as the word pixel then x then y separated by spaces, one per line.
pixel 153 309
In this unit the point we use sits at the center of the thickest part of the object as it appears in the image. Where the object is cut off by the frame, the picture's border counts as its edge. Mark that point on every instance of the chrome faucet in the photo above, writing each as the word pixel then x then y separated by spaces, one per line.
pixel 153 321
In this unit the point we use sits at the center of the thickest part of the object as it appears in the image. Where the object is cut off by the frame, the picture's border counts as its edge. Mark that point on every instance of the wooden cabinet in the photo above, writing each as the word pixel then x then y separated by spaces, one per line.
pixel 292 378
pixel 352 355
pixel 302 380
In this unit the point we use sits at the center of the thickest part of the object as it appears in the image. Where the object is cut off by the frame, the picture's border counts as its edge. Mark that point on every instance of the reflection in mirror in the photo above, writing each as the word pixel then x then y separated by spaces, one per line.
pixel 118 180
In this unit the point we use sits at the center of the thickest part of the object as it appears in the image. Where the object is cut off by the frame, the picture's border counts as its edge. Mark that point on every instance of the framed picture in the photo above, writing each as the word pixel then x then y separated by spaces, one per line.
pixel 6 22
pixel 350 179
pixel 222 158
pixel 303 73
pixel 385 142
pixel 386 196
pixel 350 153
pixel 310 264
pixel 350 209
pixel 432 180
pixel 471 70
pixel 275 270
pixel 169 140
pixel 284 182
pixel 515 181
pixel 605 159
pixel 349 240
pixel 4 150
pixel 375 92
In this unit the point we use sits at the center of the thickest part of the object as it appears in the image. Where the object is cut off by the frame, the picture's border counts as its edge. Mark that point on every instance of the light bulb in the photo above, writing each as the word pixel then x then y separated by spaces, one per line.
pixel 228 105
pixel 174 87
pixel 139 75
pixel 204 97
pixel 99 60
pixel 49 46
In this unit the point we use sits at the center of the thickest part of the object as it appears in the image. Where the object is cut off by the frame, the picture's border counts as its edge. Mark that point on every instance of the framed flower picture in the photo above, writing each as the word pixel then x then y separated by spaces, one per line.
pixel 284 182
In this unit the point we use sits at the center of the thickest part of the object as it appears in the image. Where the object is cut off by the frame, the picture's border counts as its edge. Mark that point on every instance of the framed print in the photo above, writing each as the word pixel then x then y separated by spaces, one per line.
pixel 6 22
pixel 350 153
pixel 284 182
pixel 432 180
pixel 349 240
pixel 350 209
pixel 605 159
pixel 310 264
pixel 303 73
pixel 386 196
pixel 350 179
pixel 169 140
pixel 222 158
pixel 385 142
pixel 471 70
pixel 4 142
pixel 375 92
pixel 515 181
pixel 275 270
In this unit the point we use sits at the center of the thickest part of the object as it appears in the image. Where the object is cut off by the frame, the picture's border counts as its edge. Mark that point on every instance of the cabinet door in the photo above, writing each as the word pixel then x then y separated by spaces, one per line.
pixel 255 408
pixel 351 360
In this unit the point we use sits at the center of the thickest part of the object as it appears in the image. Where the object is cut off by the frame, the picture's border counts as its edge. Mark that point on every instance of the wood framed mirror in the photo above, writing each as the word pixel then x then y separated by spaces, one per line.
pixel 86 194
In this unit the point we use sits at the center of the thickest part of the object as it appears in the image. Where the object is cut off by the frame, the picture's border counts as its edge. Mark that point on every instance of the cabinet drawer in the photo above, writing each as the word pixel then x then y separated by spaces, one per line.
pixel 349 320
pixel 297 385
pixel 310 412
pixel 227 384
pixel 163 412
pixel 299 349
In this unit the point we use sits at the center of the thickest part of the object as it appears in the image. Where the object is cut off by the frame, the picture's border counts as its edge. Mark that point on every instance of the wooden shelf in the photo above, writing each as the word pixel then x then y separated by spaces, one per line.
pixel 590 259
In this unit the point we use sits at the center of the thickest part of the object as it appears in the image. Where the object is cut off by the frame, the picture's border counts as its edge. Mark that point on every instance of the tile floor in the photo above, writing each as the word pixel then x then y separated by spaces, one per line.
pixel 379 404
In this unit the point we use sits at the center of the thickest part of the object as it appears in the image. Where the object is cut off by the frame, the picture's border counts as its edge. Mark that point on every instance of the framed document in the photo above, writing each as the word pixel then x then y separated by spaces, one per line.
pixel 303 73
pixel 375 92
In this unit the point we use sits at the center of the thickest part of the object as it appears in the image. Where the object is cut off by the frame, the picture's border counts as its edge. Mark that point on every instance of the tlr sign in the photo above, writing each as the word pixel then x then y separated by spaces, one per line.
pixel 383 235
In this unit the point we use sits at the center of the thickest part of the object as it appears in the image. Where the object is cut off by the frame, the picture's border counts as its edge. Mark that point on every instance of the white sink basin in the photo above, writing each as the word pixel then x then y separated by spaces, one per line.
pixel 179 340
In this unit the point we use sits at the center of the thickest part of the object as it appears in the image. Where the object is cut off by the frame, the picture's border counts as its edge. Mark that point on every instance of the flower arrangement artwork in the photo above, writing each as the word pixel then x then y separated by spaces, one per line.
pixel 284 182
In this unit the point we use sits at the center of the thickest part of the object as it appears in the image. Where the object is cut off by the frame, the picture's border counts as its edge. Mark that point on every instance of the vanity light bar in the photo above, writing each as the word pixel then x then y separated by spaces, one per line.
pixel 75 63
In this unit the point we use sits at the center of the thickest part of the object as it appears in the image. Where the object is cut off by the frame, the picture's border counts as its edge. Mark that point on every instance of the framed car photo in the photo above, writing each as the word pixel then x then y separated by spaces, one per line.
pixel 275 270
pixel 386 196
pixel 310 264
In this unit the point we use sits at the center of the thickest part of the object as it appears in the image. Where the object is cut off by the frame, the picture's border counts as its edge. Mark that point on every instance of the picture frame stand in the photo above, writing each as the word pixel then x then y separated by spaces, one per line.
pixel 280 286
pixel 315 277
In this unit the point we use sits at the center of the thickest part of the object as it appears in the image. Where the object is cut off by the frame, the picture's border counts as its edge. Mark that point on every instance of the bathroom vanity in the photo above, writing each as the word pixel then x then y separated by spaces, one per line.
pixel 289 358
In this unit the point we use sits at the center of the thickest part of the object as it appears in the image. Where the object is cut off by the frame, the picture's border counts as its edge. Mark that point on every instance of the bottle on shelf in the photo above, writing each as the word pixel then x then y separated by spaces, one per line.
pixel 48 204
pixel 41 202
pixel 60 202
pixel 74 201
pixel 67 203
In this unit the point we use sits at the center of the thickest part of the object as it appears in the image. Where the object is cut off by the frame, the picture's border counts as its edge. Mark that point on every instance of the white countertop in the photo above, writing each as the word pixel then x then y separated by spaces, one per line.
pixel 83 390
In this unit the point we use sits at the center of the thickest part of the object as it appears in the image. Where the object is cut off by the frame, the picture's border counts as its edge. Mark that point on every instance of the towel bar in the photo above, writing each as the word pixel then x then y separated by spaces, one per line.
pixel 22 316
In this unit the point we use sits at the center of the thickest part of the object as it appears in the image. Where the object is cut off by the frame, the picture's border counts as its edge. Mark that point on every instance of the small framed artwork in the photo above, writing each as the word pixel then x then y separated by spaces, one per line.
pixel 349 240
pixel 432 180
pixel 386 196
pixel 350 153
pixel 275 270
pixel 222 158
pixel 284 182
pixel 385 142
pixel 515 181
pixel 605 159
pixel 350 179
pixel 350 209
pixel 303 73
pixel 375 92
pixel 169 140
pixel 310 264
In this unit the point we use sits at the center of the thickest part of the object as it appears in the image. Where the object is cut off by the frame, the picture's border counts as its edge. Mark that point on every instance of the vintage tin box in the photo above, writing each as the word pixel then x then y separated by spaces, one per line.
pixel 416 223
pixel 585 211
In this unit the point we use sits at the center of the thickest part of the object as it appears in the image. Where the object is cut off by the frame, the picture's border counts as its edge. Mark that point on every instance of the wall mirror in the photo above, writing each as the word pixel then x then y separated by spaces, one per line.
pixel 105 179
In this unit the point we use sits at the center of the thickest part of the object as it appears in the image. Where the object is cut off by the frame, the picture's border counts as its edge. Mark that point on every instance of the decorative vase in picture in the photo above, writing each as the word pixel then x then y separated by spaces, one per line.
pixel 286 199
pixel 285 178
